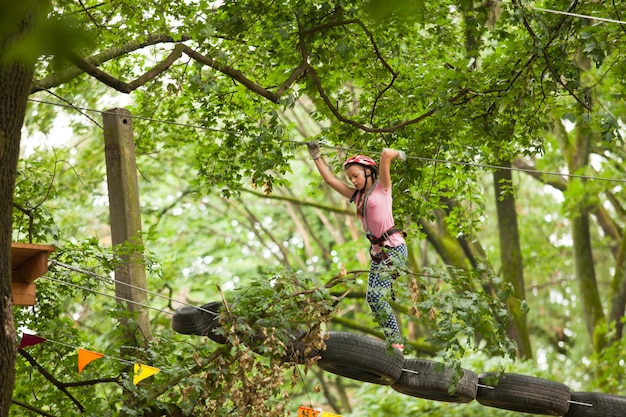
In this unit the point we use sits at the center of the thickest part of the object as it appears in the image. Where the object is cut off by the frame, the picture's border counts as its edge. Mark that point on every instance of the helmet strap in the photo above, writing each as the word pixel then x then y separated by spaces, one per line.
pixel 366 177
pixel 356 192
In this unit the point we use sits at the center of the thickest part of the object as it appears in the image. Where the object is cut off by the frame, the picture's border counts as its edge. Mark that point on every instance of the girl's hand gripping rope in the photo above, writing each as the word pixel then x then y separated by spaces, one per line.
pixel 401 155
pixel 314 149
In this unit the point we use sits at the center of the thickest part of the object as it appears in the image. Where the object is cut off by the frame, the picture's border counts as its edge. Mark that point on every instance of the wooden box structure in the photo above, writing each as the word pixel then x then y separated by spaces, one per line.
pixel 28 262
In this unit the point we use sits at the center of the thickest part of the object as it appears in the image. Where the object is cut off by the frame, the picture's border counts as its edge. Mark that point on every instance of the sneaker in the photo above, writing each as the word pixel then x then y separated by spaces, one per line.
pixel 398 346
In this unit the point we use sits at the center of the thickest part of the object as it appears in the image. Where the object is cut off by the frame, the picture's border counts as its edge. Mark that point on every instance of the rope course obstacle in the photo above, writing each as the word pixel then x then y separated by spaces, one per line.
pixel 366 359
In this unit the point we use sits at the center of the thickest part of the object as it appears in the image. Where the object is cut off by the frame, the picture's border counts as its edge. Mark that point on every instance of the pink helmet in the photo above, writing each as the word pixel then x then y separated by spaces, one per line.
pixel 361 160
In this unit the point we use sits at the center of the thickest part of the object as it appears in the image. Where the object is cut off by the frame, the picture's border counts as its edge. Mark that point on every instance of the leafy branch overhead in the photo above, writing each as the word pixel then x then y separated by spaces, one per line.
pixel 90 66
pixel 512 117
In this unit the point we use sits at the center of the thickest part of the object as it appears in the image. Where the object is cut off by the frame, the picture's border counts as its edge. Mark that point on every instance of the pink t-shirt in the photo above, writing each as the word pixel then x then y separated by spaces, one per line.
pixel 379 215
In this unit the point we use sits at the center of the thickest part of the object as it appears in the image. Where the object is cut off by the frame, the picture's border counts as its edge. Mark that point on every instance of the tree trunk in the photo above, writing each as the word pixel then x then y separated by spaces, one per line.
pixel 586 275
pixel 15 80
pixel 617 296
pixel 511 257
pixel 576 154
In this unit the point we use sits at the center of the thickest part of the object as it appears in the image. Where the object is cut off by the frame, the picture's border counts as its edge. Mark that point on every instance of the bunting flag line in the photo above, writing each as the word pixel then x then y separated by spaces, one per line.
pixel 311 412
pixel 85 357
pixel 30 340
pixel 143 371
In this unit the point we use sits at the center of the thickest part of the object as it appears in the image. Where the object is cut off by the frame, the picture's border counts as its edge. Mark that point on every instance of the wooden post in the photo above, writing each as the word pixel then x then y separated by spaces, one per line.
pixel 130 278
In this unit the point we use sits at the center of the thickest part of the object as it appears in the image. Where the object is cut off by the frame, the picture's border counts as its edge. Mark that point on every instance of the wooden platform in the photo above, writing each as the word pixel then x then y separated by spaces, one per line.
pixel 28 262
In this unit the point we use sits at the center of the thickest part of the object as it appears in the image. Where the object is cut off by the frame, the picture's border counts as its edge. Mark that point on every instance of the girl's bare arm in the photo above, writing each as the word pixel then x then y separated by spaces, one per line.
pixel 384 176
pixel 330 179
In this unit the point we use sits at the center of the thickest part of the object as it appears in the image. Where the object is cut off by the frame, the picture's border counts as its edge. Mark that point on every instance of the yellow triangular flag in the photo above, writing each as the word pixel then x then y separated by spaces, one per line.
pixel 327 414
pixel 85 357
pixel 143 371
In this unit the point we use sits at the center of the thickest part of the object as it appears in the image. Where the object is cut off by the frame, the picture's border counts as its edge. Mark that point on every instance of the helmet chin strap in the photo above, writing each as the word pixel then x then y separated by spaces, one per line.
pixel 366 177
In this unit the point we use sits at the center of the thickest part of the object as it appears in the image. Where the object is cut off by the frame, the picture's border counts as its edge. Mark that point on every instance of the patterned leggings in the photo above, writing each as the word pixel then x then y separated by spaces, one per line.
pixel 379 289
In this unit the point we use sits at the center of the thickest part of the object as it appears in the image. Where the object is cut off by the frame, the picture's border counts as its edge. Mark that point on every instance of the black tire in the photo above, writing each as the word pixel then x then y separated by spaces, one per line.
pixel 524 394
pixel 361 358
pixel 420 379
pixel 595 404
pixel 200 321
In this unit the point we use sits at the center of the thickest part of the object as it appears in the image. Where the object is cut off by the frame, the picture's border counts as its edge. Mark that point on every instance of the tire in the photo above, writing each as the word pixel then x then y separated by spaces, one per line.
pixel 361 358
pixel 525 394
pixel 199 321
pixel 420 379
pixel 594 404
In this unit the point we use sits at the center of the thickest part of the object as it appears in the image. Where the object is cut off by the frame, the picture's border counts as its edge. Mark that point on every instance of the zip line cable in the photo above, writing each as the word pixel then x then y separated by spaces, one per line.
pixel 105 294
pixel 602 19
pixel 148 119
pixel 111 281
pixel 488 166
pixel 545 10
pixel 420 158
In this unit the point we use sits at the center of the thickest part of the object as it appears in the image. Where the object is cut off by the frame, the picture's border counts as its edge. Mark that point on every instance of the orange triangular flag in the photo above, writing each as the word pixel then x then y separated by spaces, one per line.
pixel 143 371
pixel 85 357
pixel 308 412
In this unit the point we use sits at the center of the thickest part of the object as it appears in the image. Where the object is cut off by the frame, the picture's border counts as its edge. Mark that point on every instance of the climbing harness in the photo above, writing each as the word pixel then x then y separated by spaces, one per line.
pixel 381 256
pixel 385 236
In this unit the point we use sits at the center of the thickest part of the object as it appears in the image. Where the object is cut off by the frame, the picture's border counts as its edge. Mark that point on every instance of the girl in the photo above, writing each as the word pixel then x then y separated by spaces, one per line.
pixel 371 193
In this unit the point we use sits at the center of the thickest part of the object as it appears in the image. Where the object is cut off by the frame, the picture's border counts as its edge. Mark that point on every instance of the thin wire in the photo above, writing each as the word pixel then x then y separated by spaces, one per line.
pixel 111 281
pixel 582 16
pixel 106 295
pixel 603 19
pixel 126 361
pixel 421 158
pixel 485 166
pixel 168 122
pixel 75 347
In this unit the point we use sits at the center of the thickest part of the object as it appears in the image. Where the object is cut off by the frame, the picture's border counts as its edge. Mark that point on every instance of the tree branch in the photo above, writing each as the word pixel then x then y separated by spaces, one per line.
pixel 370 36
pixel 121 86
pixel 299 202
pixel 31 408
pixel 56 79
pixel 51 378
pixel 238 75
pixel 544 50
pixel 90 66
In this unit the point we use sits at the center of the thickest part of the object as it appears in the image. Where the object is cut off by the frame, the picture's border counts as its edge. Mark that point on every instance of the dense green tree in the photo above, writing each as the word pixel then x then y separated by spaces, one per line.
pixel 465 88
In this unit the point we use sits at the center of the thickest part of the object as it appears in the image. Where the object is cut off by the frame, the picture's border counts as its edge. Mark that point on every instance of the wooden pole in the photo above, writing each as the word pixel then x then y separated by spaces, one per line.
pixel 130 278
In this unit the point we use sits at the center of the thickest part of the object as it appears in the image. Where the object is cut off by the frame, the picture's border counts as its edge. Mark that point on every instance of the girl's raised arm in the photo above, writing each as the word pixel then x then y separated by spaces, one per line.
pixel 327 175
pixel 384 176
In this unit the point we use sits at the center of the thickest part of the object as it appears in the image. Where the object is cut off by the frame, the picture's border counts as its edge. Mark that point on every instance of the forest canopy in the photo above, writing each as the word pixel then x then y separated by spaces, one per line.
pixel 511 115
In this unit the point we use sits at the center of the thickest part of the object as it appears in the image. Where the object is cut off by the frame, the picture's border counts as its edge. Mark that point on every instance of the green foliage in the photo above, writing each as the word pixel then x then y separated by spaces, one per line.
pixel 468 312
pixel 459 86
pixel 606 377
